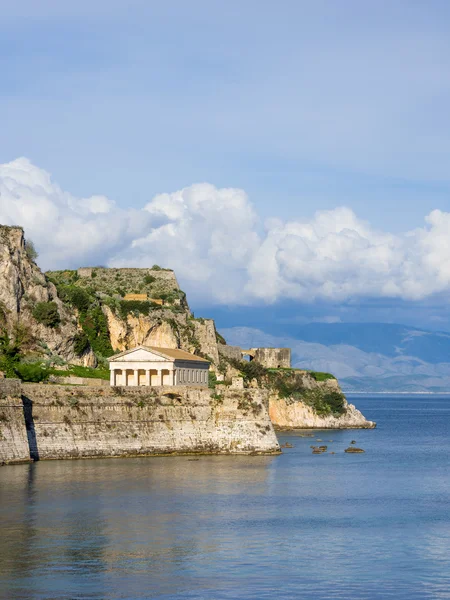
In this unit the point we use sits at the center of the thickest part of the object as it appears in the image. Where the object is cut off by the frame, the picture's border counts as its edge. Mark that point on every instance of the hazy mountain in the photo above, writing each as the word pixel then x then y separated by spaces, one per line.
pixel 364 356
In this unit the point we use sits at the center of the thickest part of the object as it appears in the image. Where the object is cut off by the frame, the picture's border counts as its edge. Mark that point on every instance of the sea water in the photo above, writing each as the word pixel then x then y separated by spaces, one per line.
pixel 300 525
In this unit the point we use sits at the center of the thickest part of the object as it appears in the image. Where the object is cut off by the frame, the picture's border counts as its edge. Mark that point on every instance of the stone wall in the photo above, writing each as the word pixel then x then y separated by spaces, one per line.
pixel 10 387
pixel 14 446
pixel 233 352
pixel 73 380
pixel 67 422
pixel 273 358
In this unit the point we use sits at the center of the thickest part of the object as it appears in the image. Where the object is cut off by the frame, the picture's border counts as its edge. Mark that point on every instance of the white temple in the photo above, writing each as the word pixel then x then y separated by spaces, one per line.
pixel 152 366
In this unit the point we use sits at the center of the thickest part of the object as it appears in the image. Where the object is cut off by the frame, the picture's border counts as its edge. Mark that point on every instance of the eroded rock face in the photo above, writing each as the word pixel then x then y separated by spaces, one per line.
pixel 22 285
pixel 173 331
pixel 298 415
pixel 295 414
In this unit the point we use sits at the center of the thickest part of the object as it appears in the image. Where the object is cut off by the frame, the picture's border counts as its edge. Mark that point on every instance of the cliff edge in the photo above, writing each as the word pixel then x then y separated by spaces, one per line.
pixel 31 313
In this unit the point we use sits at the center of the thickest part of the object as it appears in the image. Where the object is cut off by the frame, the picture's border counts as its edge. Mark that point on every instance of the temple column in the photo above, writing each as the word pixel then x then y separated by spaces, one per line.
pixel 136 377
pixel 112 377
pixel 159 377
pixel 147 377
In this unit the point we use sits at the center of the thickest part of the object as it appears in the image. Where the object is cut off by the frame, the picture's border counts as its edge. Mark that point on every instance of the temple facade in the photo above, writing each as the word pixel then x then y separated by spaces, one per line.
pixel 152 366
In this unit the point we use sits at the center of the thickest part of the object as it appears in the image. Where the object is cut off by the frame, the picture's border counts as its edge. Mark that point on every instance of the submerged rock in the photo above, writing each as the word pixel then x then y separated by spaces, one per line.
pixel 354 450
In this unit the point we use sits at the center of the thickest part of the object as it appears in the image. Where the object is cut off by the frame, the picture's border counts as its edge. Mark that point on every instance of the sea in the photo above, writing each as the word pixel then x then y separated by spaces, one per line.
pixel 374 525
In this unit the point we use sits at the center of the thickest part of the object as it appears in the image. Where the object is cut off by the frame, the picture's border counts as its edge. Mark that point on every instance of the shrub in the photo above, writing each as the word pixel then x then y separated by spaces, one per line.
pixel 9 354
pixel 47 314
pixel 336 402
pixel 148 279
pixel 321 376
pixel 31 372
pixel 156 268
pixel 134 306
pixel 249 369
pixel 79 371
pixel 95 326
pixel 220 339
pixel 80 343
pixel 212 379
pixel 30 250
pixel 79 298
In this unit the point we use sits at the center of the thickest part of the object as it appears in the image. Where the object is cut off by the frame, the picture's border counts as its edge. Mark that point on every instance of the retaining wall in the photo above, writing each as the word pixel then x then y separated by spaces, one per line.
pixel 71 422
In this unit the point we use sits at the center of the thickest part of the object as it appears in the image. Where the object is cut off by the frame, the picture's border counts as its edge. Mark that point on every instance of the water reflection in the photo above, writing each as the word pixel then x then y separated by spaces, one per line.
pixel 372 526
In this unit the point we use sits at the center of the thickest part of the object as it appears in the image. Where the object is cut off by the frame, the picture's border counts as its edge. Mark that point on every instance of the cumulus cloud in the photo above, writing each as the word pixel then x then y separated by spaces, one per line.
pixel 220 251
pixel 68 231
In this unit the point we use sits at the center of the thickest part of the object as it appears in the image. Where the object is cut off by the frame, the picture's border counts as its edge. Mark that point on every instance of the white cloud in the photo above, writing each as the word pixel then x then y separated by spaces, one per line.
pixel 210 237
pixel 67 231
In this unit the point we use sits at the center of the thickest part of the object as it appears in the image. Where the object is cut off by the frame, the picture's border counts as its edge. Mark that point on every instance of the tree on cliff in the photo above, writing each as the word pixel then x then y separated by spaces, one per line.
pixel 30 250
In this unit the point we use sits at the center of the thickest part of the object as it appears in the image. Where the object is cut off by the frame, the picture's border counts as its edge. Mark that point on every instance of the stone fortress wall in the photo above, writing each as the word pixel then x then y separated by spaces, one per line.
pixel 42 421
pixel 271 358
pixel 161 274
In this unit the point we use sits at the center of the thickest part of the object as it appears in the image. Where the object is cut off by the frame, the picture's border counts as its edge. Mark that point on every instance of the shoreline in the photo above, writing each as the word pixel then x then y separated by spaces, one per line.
pixel 396 393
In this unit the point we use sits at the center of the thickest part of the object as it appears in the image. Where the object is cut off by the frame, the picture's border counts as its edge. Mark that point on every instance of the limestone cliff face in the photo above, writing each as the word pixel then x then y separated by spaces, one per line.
pixel 22 286
pixel 132 331
pixel 294 414
pixel 163 329
pixel 298 415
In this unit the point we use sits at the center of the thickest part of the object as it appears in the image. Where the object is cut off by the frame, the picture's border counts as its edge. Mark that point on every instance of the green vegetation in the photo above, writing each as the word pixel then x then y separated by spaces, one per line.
pixel 31 372
pixel 92 320
pixel 109 287
pixel 80 343
pixel 325 402
pixel 289 383
pixel 220 339
pixel 9 354
pixel 47 314
pixel 321 376
pixel 79 371
pixel 30 250
pixel 95 326
pixel 212 379
pixel 250 370
pixel 135 307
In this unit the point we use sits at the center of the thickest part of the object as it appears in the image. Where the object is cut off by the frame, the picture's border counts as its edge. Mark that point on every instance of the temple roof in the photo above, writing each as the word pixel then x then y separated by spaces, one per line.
pixel 168 353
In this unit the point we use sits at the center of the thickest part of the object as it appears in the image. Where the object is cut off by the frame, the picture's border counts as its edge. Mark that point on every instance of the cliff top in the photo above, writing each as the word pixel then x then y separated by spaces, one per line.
pixel 154 282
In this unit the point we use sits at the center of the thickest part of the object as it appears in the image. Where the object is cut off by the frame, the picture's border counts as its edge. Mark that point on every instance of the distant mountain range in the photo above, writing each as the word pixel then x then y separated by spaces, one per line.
pixel 364 356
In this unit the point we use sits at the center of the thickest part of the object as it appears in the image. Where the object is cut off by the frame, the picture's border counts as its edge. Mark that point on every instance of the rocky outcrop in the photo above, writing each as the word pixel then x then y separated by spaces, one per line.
pixel 293 413
pixel 138 330
pixel 298 415
pixel 163 329
pixel 22 286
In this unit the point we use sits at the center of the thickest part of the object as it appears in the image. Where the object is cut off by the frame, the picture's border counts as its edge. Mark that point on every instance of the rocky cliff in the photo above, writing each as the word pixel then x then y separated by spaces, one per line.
pixel 24 291
pixel 298 412
pixel 82 317
pixel 139 306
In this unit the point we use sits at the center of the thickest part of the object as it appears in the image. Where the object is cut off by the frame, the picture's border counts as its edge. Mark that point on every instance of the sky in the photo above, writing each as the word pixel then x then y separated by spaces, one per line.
pixel 271 153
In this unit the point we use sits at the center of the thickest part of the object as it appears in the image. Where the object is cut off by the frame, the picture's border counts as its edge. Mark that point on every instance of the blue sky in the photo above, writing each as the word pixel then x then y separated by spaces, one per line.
pixel 304 105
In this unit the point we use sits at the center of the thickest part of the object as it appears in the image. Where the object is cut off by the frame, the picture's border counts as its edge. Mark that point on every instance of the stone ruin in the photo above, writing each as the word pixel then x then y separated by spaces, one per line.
pixel 271 358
